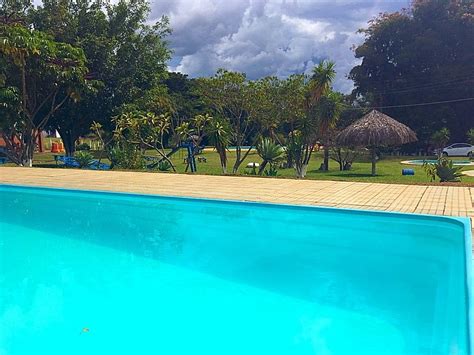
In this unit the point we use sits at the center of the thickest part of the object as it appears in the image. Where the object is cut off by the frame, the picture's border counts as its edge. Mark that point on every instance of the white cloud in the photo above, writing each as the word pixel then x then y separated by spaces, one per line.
pixel 267 37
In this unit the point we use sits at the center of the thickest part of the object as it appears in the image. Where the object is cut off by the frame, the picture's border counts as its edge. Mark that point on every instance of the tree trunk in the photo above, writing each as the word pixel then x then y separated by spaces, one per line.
pixel 289 159
pixel 238 154
pixel 69 138
pixel 301 170
pixel 262 167
pixel 30 142
pixel 326 158
pixel 374 160
pixel 240 159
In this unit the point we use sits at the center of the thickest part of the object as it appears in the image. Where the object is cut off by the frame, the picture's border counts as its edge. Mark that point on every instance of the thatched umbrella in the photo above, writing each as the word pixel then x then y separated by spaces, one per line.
pixel 373 130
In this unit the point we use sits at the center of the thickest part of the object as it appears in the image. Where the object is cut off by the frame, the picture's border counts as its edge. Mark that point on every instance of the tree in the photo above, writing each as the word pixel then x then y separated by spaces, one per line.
pixel 321 109
pixel 420 55
pixel 321 81
pixel 144 130
pixel 192 132
pixel 238 101
pixel 440 138
pixel 289 97
pixel 328 111
pixel 218 131
pixel 300 145
pixel 470 136
pixel 324 104
pixel 344 157
pixel 43 74
pixel 184 96
pixel 126 57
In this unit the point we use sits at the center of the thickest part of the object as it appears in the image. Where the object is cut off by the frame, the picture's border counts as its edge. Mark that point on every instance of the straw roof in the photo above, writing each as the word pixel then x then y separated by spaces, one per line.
pixel 376 129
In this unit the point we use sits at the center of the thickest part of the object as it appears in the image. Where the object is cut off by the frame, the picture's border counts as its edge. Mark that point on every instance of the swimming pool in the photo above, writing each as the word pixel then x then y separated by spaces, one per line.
pixel 433 161
pixel 109 273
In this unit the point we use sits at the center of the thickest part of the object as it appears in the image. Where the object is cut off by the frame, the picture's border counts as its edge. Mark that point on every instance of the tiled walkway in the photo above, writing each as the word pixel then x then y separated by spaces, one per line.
pixel 442 200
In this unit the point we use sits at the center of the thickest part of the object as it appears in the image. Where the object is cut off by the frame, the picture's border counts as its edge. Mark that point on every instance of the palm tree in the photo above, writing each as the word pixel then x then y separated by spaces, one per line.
pixel 322 102
pixel 321 81
pixel 328 112
pixel 270 152
pixel 302 139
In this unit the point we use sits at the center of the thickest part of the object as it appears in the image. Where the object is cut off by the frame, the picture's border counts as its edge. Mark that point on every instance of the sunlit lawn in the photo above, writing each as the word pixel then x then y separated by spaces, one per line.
pixel 388 169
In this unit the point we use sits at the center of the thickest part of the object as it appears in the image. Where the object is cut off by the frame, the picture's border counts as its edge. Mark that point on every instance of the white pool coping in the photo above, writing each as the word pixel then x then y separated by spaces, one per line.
pixel 411 162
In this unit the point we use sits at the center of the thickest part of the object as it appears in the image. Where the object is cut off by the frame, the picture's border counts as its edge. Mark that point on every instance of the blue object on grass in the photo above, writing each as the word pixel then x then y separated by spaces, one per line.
pixel 69 162
pixel 408 172
pixel 95 165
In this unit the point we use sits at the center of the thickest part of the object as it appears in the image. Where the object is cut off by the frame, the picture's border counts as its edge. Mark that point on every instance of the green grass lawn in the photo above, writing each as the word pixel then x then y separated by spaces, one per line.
pixel 388 169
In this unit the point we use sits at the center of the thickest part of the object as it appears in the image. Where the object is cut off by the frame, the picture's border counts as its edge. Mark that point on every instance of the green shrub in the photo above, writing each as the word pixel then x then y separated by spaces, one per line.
pixel 444 170
pixel 84 159
pixel 270 152
pixel 164 166
pixel 440 137
pixel 273 171
pixel 470 136
pixel 83 146
pixel 126 158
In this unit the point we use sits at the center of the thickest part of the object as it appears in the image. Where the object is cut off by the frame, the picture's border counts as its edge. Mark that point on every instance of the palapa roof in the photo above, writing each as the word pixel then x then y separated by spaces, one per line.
pixel 376 129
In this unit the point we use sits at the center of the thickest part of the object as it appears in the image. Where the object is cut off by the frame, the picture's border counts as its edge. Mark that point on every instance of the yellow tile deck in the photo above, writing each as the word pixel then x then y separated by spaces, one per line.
pixel 440 200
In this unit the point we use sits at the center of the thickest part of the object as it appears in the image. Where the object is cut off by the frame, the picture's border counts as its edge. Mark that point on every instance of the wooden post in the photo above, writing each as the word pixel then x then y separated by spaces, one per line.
pixel 40 142
pixel 374 160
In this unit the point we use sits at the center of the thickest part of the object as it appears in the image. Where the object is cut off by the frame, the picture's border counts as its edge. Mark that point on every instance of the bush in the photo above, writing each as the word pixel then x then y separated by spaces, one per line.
pixel 126 158
pixel 470 136
pixel 440 138
pixel 270 152
pixel 444 170
pixel 344 157
pixel 83 146
pixel 84 159
pixel 164 166
pixel 273 171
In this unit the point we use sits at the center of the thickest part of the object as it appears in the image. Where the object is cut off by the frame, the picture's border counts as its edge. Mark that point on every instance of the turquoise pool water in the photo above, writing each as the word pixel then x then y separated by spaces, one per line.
pixel 103 273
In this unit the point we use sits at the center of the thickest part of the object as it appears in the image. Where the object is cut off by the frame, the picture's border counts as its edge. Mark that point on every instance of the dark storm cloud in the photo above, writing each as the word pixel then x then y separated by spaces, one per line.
pixel 267 37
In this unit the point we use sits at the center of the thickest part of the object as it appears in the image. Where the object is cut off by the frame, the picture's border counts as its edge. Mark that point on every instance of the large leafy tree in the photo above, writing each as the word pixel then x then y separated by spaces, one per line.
pixel 422 55
pixel 184 96
pixel 38 75
pixel 241 103
pixel 289 97
pixel 126 56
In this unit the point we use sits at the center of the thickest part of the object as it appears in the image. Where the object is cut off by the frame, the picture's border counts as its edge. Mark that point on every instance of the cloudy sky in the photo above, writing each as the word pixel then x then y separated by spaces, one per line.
pixel 267 37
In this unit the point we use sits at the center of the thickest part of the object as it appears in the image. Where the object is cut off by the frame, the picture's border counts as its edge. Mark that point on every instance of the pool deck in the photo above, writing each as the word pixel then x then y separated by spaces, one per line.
pixel 439 200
